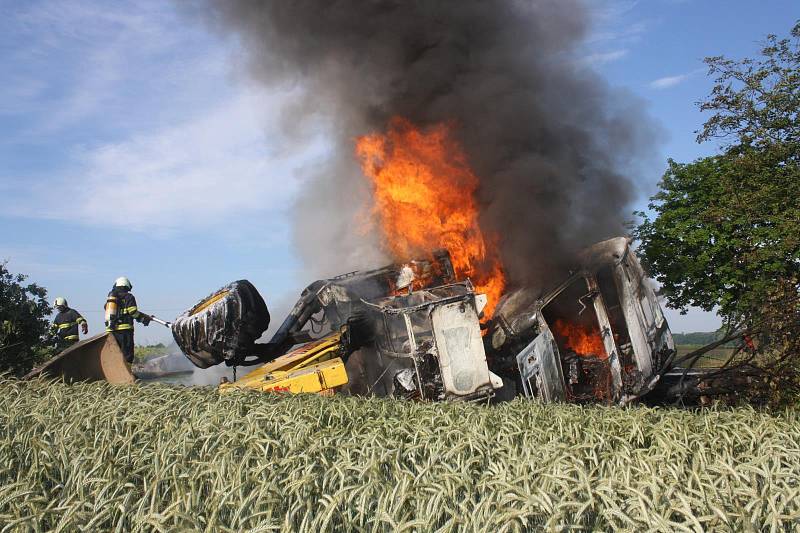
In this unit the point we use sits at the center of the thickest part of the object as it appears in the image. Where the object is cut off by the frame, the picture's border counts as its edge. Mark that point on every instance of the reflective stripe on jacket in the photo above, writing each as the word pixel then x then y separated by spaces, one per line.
pixel 66 324
pixel 127 311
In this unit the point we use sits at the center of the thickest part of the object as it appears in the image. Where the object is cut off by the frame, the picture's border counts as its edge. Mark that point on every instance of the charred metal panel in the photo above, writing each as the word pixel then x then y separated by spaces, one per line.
pixel 327 305
pixel 540 368
pixel 607 336
pixel 462 360
pixel 514 316
pixel 632 289
pixel 430 339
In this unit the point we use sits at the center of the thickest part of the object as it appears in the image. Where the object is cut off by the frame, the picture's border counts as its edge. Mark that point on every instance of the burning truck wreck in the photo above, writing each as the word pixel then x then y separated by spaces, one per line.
pixel 417 331
pixel 599 335
pixel 478 135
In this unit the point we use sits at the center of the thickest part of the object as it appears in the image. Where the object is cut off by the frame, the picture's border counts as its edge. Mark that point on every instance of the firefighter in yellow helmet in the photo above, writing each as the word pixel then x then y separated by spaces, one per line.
pixel 121 311
pixel 65 324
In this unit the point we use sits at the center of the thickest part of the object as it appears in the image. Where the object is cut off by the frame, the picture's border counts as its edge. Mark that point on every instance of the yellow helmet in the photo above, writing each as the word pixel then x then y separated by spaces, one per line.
pixel 60 302
pixel 123 282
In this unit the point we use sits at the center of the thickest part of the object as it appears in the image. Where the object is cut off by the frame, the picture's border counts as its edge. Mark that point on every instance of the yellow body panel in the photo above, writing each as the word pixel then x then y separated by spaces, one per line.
pixel 205 304
pixel 312 368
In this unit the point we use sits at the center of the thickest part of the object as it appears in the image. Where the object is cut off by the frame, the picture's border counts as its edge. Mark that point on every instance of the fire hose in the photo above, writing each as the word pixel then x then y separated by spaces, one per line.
pixel 159 321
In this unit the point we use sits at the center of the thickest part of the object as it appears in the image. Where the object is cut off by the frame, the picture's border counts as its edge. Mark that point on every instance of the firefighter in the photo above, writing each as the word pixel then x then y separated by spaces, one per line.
pixel 65 325
pixel 121 311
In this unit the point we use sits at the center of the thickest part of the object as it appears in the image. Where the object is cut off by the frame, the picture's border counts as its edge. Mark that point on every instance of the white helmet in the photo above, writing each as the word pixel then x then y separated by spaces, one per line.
pixel 123 282
pixel 60 302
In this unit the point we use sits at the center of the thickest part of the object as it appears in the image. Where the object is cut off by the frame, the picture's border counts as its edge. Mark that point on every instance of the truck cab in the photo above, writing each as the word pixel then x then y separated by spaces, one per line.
pixel 428 344
pixel 599 336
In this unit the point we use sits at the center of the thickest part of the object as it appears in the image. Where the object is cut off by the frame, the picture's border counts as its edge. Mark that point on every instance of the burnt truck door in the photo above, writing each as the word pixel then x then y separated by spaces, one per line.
pixel 648 329
pixel 607 334
pixel 540 366
pixel 576 315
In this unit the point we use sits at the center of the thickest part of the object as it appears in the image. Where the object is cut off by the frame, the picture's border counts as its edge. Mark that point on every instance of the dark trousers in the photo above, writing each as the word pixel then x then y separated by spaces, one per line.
pixel 125 341
pixel 63 344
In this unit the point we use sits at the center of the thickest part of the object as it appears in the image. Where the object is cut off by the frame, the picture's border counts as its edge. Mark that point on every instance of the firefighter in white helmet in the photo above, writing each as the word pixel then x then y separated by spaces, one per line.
pixel 121 311
pixel 66 322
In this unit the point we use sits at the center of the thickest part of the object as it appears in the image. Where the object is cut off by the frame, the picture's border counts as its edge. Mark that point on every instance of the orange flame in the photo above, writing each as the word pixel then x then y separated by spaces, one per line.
pixel 583 340
pixel 424 195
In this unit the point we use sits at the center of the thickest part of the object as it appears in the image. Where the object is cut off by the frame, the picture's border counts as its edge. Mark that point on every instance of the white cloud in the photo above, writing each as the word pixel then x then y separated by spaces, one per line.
pixel 618 34
pixel 601 58
pixel 85 62
pixel 611 11
pixel 35 260
pixel 213 168
pixel 159 133
pixel 614 31
pixel 613 21
pixel 669 81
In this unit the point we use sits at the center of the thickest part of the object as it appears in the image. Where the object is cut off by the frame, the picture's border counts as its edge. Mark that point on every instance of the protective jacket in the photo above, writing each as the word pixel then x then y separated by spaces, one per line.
pixel 66 324
pixel 121 310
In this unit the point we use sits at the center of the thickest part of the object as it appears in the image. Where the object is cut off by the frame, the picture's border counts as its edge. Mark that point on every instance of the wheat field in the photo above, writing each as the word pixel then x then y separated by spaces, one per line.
pixel 159 458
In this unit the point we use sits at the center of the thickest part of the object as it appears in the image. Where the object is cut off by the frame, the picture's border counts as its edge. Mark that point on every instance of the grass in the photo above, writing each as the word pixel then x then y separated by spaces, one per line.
pixel 711 359
pixel 159 458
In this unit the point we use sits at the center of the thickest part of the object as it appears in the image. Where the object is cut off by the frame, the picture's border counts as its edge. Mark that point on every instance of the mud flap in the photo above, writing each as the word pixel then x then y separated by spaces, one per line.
pixel 97 358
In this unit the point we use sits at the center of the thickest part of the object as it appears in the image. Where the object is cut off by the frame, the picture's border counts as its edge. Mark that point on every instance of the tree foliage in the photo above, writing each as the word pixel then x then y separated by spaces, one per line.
pixel 726 230
pixel 24 323
pixel 724 236
pixel 151 351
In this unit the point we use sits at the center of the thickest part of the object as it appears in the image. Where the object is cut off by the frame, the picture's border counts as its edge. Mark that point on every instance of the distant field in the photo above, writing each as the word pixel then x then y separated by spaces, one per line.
pixel 145 458
pixel 713 358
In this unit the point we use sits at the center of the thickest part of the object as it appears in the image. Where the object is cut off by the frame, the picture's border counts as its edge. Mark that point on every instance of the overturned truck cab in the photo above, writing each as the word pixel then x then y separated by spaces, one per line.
pixel 428 344
pixel 599 336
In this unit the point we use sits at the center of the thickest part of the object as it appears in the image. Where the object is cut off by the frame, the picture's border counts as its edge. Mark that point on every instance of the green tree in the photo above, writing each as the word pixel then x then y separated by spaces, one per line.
pixel 143 353
pixel 24 323
pixel 726 230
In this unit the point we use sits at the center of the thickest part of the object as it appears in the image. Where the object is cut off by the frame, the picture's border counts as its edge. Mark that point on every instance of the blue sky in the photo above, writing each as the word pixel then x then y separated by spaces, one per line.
pixel 131 142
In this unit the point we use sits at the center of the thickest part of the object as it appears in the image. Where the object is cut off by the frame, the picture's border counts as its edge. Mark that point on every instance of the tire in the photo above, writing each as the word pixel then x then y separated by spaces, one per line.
pixel 222 327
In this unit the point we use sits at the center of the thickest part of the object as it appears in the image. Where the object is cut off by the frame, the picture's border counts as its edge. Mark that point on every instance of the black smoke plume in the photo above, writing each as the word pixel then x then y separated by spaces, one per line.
pixel 552 144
